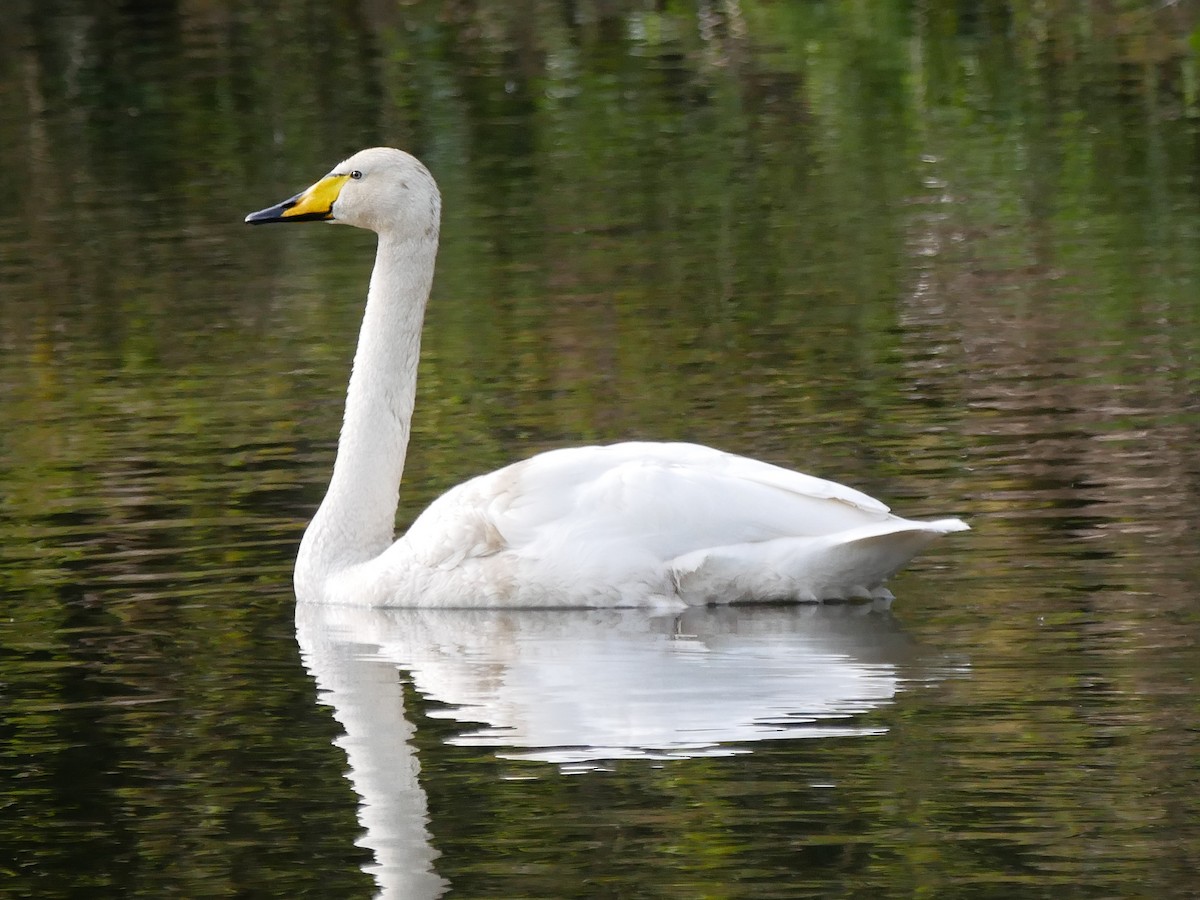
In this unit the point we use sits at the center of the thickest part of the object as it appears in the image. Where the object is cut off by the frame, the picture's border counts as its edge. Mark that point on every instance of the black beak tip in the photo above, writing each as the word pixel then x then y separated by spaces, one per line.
pixel 266 216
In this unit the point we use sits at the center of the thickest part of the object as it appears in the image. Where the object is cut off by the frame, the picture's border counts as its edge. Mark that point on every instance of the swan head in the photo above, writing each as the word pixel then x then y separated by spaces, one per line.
pixel 382 189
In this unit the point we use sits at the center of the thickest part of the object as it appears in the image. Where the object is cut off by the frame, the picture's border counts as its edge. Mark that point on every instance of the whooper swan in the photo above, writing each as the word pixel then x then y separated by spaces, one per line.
pixel 620 525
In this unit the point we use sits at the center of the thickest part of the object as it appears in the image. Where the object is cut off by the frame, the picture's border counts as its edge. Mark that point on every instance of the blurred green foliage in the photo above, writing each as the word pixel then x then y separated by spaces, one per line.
pixel 946 248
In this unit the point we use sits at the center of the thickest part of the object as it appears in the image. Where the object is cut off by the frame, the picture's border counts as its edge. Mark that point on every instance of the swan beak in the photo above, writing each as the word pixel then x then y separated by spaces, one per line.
pixel 312 205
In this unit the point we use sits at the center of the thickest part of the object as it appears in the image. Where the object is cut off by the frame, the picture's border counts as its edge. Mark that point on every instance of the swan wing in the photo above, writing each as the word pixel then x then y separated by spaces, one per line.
pixel 662 499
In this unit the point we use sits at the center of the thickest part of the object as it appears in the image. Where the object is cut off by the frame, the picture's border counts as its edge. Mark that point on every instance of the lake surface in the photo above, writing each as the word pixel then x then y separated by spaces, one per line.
pixel 952 259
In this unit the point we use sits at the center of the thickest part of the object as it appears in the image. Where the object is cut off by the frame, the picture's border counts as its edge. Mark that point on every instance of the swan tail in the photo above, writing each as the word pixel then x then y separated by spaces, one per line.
pixel 849 565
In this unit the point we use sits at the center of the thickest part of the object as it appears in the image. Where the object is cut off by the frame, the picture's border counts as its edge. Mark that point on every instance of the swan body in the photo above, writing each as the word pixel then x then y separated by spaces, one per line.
pixel 629 524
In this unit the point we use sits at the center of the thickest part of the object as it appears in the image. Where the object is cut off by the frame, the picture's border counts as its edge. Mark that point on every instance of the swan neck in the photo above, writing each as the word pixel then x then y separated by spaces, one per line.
pixel 356 520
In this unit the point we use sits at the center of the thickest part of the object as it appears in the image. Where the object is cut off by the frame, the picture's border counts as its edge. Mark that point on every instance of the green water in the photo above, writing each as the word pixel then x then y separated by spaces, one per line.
pixel 948 254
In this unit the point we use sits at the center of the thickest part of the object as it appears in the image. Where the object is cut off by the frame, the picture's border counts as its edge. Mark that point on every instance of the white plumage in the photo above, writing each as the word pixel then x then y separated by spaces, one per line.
pixel 620 525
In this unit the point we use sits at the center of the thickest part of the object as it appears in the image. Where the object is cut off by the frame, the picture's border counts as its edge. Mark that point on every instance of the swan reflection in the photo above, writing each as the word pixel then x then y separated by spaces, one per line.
pixel 578 687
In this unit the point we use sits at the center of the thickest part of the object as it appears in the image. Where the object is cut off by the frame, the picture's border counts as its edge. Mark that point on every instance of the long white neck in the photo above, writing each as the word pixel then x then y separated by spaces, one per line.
pixel 356 520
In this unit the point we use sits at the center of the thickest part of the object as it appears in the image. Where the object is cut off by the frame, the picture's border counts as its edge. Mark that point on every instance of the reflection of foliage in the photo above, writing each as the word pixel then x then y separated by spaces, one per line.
pixel 845 235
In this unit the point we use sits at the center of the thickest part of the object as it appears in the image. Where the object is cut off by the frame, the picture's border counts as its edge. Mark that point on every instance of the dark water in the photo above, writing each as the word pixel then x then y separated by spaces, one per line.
pixel 949 256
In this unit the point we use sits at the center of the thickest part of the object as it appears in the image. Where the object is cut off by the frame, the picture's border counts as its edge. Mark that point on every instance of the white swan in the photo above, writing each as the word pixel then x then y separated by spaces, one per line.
pixel 622 525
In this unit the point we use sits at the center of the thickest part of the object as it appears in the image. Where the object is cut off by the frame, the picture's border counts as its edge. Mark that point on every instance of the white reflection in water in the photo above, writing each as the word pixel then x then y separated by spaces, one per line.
pixel 577 687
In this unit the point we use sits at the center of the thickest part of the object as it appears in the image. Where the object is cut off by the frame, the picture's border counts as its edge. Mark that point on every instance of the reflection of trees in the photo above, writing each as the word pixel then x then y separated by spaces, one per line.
pixel 706 220
pixel 1061 290
pixel 1056 268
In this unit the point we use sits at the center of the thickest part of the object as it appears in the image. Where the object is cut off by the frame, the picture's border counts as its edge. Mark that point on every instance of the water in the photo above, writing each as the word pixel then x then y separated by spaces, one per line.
pixel 952 261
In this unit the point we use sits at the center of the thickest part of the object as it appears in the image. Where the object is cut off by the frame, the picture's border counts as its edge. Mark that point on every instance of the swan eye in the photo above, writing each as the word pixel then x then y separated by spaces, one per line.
pixel 356 174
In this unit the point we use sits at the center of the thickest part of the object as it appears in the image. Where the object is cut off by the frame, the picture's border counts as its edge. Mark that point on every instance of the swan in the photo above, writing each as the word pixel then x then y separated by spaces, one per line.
pixel 628 524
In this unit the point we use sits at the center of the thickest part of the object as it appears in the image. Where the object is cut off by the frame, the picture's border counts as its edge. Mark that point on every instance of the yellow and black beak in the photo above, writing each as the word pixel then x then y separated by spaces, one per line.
pixel 312 205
